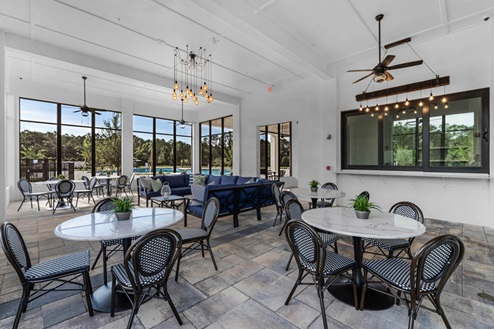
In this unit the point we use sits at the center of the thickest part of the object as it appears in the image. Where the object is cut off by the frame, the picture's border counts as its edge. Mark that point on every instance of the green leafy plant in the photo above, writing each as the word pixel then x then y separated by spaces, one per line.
pixel 362 203
pixel 123 205
pixel 313 183
pixel 60 176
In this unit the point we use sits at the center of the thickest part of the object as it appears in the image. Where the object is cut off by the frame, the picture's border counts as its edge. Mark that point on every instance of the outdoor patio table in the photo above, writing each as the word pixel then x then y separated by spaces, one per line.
pixel 107 179
pixel 314 196
pixel 380 225
pixel 105 226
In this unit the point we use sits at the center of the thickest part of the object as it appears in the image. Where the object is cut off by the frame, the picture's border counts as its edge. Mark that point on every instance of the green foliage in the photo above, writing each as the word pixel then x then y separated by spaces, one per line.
pixel 123 205
pixel 60 176
pixel 362 203
pixel 32 153
pixel 313 183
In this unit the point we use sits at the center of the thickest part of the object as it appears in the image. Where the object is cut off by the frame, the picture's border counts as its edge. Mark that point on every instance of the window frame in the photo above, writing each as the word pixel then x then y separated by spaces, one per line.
pixel 210 148
pixel 264 131
pixel 483 93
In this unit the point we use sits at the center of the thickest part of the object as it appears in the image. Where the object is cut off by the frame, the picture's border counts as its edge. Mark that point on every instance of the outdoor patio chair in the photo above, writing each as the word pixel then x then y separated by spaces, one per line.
pixel 86 192
pixel 37 280
pixel 293 211
pixel 65 192
pixel 198 238
pixel 327 202
pixel 128 185
pixel 426 275
pixel 27 193
pixel 145 270
pixel 388 247
pixel 279 209
pixel 284 197
pixel 313 259
pixel 120 185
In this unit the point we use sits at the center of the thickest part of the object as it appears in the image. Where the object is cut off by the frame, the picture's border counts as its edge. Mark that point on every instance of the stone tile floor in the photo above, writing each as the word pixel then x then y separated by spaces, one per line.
pixel 251 285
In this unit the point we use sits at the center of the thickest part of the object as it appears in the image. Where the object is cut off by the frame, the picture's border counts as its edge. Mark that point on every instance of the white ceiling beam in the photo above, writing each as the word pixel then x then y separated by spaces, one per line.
pixel 244 18
pixel 444 16
pixel 42 49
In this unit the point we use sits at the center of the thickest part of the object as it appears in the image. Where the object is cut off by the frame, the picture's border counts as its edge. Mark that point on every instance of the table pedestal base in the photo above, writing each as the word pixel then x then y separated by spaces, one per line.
pixel 101 300
pixel 374 300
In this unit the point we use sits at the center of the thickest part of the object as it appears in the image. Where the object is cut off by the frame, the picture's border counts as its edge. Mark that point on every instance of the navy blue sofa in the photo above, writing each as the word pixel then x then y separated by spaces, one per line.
pixel 179 185
pixel 236 195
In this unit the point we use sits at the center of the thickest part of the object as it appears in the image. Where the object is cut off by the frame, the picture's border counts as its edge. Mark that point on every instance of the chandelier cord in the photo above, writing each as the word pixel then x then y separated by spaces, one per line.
pixel 408 44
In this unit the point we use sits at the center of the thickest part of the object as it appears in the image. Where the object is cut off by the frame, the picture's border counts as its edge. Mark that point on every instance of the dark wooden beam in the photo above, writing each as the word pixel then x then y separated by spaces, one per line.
pixel 416 86
pixel 397 43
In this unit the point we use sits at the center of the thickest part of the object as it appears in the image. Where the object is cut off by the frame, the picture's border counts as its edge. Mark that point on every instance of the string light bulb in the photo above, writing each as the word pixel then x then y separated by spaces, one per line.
pixel 421 103
pixel 386 108
pixel 435 106
pixel 360 108
pixel 376 108
pixel 431 97
pixel 446 105
pixel 444 100
pixel 407 102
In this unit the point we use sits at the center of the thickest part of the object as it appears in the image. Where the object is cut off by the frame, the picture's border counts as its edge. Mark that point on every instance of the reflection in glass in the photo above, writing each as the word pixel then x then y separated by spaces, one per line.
pixel 38 151
pixel 143 148
pixel 76 152
pixel 275 150
pixel 361 140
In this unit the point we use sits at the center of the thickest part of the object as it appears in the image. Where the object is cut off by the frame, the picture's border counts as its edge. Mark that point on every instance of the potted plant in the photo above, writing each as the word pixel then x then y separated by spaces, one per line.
pixel 313 185
pixel 123 208
pixel 363 206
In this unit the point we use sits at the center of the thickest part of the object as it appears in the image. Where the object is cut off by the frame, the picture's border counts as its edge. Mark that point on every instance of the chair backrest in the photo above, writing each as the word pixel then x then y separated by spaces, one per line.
pixel 329 186
pixel 408 209
pixel 50 186
pixel 435 262
pixel 105 205
pixel 24 186
pixel 86 182
pixel 92 183
pixel 276 193
pixel 210 214
pixel 307 247
pixel 65 188
pixel 122 180
pixel 293 210
pixel 285 196
pixel 15 249
pixel 365 193
pixel 152 255
pixel 132 177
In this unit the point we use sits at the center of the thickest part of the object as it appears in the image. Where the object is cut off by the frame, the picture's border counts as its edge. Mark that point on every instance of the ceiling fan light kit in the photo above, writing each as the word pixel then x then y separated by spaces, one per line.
pixel 84 109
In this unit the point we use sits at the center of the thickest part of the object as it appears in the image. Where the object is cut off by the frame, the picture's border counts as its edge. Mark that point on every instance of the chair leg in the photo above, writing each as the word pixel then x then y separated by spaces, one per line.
pixel 289 261
pixel 77 200
pixel 96 260
pixel 37 201
pixel 22 306
pixel 135 309
pixel 320 293
pixel 282 228
pixel 172 306
pixel 89 292
pixel 21 204
pixel 113 293
pixel 437 304
pixel 178 265
pixel 105 258
pixel 364 287
pixel 211 253
pixel 295 285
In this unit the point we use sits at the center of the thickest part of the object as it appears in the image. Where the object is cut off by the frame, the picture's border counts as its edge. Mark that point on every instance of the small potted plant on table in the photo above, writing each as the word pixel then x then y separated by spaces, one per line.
pixel 363 206
pixel 123 208
pixel 313 185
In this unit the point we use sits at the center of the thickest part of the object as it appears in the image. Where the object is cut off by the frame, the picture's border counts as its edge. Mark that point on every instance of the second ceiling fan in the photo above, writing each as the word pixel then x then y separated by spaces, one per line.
pixel 380 71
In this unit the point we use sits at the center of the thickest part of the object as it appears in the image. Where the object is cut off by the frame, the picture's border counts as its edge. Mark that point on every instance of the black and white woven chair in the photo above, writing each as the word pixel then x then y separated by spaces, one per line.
pixel 27 193
pixel 199 237
pixel 293 211
pixel 145 270
pixel 120 185
pixel 284 197
pixel 37 280
pixel 426 275
pixel 65 192
pixel 275 189
pixel 88 191
pixel 128 185
pixel 323 203
pixel 313 259
pixel 388 247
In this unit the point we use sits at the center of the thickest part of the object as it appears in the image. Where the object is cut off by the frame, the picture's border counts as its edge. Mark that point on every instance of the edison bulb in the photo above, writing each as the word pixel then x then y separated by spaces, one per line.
pixel 176 85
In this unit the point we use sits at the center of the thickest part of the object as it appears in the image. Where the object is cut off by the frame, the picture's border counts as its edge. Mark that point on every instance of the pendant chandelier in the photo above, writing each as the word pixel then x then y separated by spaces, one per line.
pixel 192 73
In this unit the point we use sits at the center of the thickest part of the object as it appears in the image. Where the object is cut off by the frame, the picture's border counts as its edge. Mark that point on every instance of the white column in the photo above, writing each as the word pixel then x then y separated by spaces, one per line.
pixel 127 137
pixel 3 134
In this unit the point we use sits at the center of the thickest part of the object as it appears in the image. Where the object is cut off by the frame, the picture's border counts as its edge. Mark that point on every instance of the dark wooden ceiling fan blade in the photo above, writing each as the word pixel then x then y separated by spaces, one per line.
pixel 387 60
pixel 403 65
pixel 389 77
pixel 368 75
pixel 362 70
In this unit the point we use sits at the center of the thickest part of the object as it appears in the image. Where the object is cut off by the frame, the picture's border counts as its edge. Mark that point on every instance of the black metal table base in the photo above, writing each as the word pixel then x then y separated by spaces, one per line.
pixel 374 300
pixel 101 300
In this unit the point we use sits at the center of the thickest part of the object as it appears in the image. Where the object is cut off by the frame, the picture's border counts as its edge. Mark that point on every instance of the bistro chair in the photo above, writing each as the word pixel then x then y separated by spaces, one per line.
pixel 426 275
pixel 87 192
pixel 128 185
pixel 145 270
pixel 106 206
pixel 198 238
pixel 279 209
pixel 293 211
pixel 388 247
pixel 65 191
pixel 120 185
pixel 327 202
pixel 313 259
pixel 100 185
pixel 365 193
pixel 37 280
pixel 284 197
pixel 26 189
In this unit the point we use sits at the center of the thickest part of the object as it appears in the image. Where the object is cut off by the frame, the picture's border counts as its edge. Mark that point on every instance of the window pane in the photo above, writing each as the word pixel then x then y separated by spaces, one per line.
pixel 143 147
pixel 163 126
pixel 403 138
pixel 32 110
pixel 144 124
pixel 228 152
pixel 76 152
pixel 455 134
pixel 108 119
pixel 275 148
pixel 108 150
pixel 216 126
pixel 69 117
pixel 184 154
pixel 361 137
pixel 184 130
pixel 205 147
pixel 164 154
pixel 38 151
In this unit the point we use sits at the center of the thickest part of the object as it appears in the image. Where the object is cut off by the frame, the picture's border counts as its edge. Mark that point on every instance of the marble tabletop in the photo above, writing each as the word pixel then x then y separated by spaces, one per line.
pixel 342 220
pixel 321 193
pixel 107 177
pixel 105 226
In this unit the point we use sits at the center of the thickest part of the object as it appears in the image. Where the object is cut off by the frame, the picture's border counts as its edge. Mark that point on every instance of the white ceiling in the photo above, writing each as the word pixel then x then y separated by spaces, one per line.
pixel 254 43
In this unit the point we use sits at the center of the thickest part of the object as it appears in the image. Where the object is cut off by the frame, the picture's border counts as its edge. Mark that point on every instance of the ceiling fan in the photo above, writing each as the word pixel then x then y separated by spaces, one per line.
pixel 84 109
pixel 182 122
pixel 380 71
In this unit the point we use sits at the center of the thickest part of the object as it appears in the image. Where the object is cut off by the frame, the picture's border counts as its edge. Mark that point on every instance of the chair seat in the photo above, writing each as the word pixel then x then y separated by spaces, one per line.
pixel 82 191
pixel 397 272
pixel 388 244
pixel 121 275
pixel 335 263
pixel 328 238
pixel 56 267
pixel 189 234
pixel 28 194
pixel 324 204
pixel 109 243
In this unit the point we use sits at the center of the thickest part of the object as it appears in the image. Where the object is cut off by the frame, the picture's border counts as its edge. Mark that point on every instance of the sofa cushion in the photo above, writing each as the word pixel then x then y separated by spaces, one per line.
pixel 175 180
pixel 184 190
pixel 213 178
pixel 243 180
pixel 199 180
pixel 156 185
pixel 197 193
pixel 228 180
pixel 145 182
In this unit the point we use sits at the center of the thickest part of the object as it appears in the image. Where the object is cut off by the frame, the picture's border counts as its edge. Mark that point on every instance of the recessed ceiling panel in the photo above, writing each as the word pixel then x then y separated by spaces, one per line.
pixel 458 9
